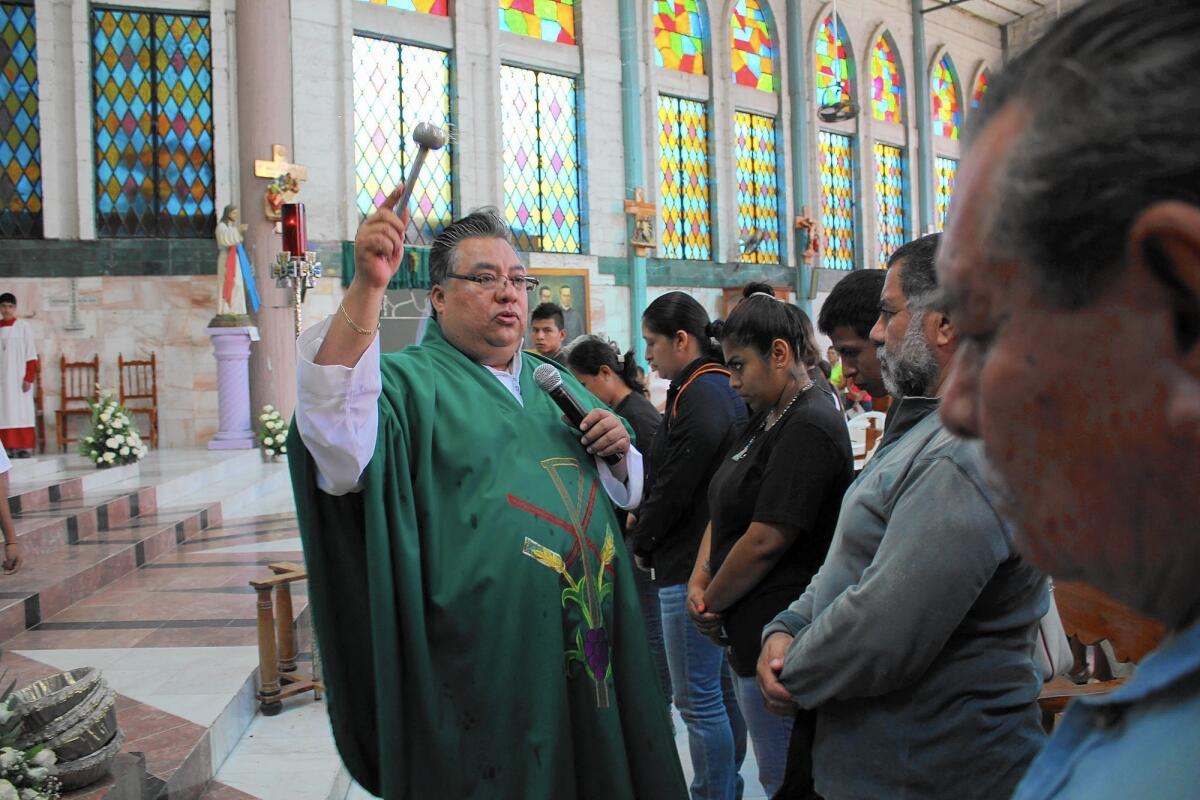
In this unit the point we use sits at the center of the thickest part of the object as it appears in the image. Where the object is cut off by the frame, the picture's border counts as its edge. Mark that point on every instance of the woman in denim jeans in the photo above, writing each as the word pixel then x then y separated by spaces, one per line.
pixel 774 504
pixel 702 419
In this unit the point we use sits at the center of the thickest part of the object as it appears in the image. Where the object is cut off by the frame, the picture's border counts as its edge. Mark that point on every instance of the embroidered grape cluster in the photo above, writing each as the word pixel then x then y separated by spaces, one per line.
pixel 595 650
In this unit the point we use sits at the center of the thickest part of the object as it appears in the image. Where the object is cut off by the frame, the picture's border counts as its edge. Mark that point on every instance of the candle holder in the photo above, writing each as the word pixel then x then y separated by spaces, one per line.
pixel 296 267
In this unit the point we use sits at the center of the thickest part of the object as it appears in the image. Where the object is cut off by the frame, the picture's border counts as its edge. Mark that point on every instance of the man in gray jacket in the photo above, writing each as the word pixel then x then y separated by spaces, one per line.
pixel 914 642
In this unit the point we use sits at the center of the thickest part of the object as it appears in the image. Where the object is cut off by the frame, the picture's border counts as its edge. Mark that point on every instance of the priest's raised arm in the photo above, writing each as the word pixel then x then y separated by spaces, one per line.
pixel 474 602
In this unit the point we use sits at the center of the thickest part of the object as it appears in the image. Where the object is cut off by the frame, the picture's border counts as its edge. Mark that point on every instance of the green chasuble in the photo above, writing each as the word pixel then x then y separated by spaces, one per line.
pixel 480 631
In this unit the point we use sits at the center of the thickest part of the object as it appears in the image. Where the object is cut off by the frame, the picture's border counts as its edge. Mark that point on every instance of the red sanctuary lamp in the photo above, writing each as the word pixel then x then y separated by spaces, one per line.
pixel 296 267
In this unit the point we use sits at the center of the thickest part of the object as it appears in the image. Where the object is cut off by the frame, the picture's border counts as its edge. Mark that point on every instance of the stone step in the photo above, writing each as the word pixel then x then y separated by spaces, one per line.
pixel 61 575
pixel 73 481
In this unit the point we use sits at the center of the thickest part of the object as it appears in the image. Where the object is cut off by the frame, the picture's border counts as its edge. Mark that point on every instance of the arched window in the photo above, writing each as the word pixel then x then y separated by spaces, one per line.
pixel 943 96
pixel 753 55
pixel 679 35
pixel 540 129
pixel 947 174
pixel 757 186
pixel 20 124
pixel 834 66
pixel 154 166
pixel 439 8
pixel 397 86
pixel 981 87
pixel 887 87
pixel 548 20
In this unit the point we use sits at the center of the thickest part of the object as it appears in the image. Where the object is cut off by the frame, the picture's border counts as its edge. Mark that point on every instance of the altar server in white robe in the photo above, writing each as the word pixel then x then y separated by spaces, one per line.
pixel 18 368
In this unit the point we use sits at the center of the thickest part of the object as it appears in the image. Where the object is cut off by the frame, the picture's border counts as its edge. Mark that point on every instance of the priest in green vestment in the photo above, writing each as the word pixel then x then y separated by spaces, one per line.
pixel 478 621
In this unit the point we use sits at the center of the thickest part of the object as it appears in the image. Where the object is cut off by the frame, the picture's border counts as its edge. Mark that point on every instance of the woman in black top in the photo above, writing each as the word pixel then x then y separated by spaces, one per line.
pixel 613 378
pixel 703 417
pixel 774 504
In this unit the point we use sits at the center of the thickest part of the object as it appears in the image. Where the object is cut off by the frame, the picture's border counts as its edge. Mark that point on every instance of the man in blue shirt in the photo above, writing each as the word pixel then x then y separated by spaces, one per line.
pixel 1072 251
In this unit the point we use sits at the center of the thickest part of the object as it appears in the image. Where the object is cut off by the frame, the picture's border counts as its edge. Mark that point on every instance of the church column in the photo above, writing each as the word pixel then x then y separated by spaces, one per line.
pixel 799 135
pixel 264 118
pixel 631 130
pixel 920 71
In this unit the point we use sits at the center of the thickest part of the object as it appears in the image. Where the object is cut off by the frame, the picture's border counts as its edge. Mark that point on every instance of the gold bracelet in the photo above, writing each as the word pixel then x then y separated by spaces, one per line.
pixel 351 323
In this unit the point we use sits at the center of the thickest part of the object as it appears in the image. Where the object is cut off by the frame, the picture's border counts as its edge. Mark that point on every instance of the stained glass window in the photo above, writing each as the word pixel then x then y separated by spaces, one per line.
pixel 679 35
pixel 685 229
pixel 753 55
pixel 758 188
pixel 887 90
pixel 834 70
pixel 837 200
pixel 548 20
pixel 891 220
pixel 541 160
pixel 981 87
pixel 20 124
pixel 437 7
pixel 152 89
pixel 947 171
pixel 943 95
pixel 397 86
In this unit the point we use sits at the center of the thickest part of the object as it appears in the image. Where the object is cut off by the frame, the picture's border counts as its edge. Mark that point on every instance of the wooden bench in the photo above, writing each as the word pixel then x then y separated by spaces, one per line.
pixel 277 641
pixel 1089 617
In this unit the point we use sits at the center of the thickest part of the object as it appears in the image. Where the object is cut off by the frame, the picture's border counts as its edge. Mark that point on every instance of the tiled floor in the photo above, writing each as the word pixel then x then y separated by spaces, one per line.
pixel 174 634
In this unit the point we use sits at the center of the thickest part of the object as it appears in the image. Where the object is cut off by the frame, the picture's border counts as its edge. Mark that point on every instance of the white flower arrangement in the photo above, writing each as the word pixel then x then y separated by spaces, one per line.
pixel 24 774
pixel 272 432
pixel 114 440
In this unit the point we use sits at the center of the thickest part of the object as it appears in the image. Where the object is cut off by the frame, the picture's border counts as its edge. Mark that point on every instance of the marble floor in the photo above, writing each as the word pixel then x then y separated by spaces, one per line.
pixel 172 626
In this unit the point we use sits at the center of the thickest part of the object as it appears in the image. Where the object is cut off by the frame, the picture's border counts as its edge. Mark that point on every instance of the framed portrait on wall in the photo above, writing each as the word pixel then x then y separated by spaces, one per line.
pixel 568 288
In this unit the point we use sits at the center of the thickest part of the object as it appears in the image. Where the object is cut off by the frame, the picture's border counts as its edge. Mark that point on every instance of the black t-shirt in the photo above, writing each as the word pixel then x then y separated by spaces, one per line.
pixel 644 418
pixel 791 476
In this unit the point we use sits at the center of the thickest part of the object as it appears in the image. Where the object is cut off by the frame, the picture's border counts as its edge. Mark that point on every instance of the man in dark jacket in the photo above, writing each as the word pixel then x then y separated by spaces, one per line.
pixel 914 642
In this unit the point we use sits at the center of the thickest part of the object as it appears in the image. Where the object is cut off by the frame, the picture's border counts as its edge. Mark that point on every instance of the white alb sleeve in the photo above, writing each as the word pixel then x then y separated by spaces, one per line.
pixel 337 411
pixel 626 495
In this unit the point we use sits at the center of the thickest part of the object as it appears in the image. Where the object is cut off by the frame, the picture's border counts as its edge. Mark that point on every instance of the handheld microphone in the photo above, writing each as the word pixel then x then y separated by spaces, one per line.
pixel 551 382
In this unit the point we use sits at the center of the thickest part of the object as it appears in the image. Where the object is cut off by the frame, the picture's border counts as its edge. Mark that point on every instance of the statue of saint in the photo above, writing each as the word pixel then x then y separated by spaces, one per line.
pixel 231 289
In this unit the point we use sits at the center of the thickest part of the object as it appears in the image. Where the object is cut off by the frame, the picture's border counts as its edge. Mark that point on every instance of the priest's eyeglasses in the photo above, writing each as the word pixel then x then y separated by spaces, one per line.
pixel 490 282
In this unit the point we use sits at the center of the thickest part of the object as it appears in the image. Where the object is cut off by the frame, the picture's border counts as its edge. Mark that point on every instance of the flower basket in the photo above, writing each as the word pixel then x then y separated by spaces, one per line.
pixel 272 434
pixel 114 438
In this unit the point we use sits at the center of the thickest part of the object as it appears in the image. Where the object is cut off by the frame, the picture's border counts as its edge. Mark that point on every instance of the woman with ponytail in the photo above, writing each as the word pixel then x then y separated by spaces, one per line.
pixel 613 378
pixel 703 418
pixel 774 504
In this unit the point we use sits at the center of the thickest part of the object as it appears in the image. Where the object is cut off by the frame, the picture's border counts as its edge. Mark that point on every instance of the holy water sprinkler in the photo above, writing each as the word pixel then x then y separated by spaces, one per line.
pixel 428 137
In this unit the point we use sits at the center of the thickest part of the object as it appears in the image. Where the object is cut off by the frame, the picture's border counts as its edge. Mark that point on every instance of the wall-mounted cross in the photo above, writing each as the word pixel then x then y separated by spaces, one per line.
pixel 278 165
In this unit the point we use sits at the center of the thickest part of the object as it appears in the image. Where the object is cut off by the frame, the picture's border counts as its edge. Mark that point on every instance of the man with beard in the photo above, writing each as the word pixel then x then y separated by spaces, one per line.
pixel 1072 250
pixel 914 642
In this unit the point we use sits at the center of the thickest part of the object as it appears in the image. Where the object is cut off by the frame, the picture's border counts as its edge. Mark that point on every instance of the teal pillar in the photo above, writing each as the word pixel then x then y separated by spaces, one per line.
pixel 631 130
pixel 797 91
pixel 924 124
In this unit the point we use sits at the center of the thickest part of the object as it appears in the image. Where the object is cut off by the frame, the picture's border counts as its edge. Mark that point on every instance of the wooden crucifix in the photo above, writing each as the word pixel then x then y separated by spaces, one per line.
pixel 643 222
pixel 285 180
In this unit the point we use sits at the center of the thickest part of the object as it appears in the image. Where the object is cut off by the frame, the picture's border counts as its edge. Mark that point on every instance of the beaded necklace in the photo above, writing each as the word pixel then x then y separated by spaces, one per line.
pixel 742 453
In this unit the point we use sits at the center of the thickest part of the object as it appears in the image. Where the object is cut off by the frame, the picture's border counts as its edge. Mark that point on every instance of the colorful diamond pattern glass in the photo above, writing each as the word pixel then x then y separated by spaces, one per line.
pixel 440 8
pixel 679 35
pixel 890 210
pixel 947 172
pixel 541 160
pixel 548 20
pixel 20 124
pixel 685 229
pixel 753 55
pixel 981 87
pixel 152 89
pixel 397 86
pixel 887 90
pixel 837 200
pixel 943 96
pixel 833 64
pixel 758 188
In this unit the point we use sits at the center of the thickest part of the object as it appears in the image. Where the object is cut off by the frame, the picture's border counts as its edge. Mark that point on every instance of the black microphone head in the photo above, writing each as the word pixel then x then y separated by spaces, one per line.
pixel 547 377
